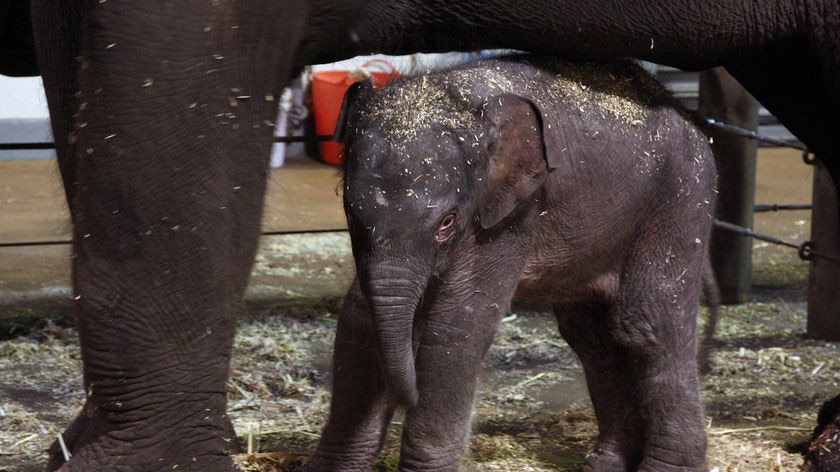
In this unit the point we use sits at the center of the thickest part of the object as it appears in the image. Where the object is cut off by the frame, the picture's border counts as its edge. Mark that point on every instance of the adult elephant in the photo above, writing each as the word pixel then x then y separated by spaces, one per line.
pixel 17 46
pixel 161 113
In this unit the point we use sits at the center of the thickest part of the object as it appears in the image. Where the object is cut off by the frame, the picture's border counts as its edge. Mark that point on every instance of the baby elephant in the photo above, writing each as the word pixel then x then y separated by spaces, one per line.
pixel 582 185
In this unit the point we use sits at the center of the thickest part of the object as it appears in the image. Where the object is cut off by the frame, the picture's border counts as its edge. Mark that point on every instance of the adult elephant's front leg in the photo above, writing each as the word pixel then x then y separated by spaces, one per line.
pixel 361 407
pixel 165 170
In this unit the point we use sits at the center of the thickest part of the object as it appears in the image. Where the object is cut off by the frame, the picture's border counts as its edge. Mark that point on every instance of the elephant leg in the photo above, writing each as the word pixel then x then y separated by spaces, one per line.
pixel 360 408
pixel 655 321
pixel 669 404
pixel 448 363
pixel 457 326
pixel 611 386
pixel 164 161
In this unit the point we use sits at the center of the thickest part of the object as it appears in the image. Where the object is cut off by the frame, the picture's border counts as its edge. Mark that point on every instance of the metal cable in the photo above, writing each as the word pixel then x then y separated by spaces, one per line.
pixel 805 250
pixel 777 207
pixel 745 133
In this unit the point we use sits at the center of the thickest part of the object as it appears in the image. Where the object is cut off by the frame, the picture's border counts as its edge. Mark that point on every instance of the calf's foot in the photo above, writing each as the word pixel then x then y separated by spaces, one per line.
pixel 605 459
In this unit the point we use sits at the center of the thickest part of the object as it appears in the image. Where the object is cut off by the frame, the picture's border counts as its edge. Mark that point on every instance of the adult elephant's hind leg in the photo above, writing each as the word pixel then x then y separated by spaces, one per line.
pixel 166 173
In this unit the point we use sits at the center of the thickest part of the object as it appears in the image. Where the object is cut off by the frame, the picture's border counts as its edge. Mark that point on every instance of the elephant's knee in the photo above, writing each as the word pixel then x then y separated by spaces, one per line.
pixel 651 332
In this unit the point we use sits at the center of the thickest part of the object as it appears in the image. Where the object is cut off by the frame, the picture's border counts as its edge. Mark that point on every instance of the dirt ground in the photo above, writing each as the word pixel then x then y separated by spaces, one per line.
pixel 532 412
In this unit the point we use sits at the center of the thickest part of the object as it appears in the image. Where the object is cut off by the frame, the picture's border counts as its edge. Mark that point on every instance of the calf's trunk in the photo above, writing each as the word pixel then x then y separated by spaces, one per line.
pixel 394 294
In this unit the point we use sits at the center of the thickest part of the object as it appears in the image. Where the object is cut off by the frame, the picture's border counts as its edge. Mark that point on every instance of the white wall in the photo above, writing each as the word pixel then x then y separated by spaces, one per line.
pixel 22 98
pixel 413 64
pixel 23 116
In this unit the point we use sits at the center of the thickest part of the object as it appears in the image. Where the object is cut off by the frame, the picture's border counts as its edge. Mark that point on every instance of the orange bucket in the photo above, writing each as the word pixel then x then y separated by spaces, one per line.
pixel 328 89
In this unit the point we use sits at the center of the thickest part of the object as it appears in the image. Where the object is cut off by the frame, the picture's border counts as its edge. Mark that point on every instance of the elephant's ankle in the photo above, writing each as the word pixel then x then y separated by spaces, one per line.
pixel 660 459
pixel 177 440
pixel 86 460
pixel 93 456
pixel 600 461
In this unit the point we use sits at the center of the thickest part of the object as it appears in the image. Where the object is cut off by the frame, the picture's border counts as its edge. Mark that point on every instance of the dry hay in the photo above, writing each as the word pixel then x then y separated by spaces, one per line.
pixel 823 454
pixel 619 94
pixel 761 397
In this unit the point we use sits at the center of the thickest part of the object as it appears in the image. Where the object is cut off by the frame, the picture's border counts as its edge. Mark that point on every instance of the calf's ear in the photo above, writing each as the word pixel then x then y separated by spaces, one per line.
pixel 358 93
pixel 516 166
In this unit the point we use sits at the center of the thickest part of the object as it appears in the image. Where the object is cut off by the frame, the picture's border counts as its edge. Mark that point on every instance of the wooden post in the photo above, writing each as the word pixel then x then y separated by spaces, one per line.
pixel 824 279
pixel 723 99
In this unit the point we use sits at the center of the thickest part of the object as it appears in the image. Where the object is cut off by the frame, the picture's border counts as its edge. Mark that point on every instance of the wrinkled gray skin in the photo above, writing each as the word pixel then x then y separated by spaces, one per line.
pixel 468 188
pixel 162 112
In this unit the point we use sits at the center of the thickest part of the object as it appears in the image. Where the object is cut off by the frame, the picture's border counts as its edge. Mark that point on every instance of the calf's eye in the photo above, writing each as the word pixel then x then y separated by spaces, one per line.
pixel 446 228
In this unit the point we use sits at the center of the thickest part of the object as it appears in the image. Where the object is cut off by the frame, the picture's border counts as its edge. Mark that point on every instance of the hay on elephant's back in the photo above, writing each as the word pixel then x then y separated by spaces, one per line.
pixel 447 99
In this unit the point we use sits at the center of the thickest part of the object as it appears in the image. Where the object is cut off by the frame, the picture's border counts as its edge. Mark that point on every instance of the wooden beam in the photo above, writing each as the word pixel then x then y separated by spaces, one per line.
pixel 824 278
pixel 723 99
